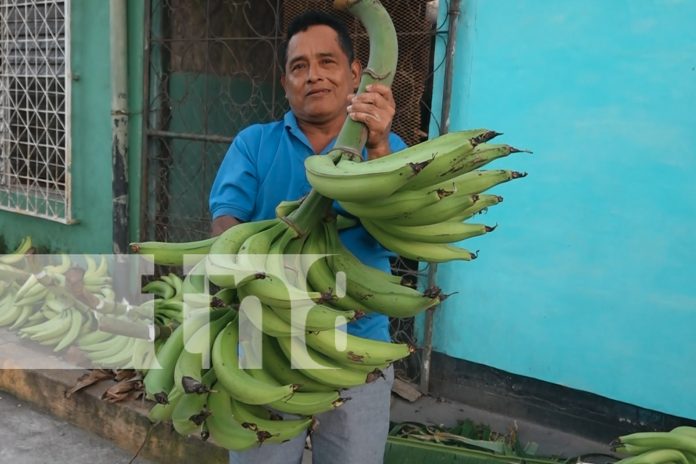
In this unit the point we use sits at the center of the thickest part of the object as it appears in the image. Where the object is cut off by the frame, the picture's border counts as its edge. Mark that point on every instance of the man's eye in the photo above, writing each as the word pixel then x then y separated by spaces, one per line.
pixel 298 66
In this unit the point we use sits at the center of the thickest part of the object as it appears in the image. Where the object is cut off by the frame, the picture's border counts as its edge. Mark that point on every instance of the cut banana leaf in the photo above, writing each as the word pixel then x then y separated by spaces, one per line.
pixel 409 451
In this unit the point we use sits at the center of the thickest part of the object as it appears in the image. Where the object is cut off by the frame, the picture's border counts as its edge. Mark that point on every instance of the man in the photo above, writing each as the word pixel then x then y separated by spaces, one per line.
pixel 265 165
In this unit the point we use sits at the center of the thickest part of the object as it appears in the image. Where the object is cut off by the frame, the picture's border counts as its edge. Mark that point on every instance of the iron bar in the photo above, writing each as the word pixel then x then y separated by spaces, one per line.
pixel 147 20
pixel 453 12
pixel 190 136
pixel 269 38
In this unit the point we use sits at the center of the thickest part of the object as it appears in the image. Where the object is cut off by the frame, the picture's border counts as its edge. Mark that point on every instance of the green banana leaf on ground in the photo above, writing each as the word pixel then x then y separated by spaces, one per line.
pixel 467 442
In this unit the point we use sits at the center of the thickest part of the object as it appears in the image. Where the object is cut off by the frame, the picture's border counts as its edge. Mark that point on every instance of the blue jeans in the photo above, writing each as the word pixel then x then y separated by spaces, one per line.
pixel 355 433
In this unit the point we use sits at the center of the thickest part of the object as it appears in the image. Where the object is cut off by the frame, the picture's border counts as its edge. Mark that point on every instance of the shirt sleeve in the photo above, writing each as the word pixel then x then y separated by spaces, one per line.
pixel 396 143
pixel 234 190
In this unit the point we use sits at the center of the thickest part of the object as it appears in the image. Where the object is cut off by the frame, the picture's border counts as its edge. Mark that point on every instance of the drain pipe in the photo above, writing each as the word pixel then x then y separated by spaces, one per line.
pixel 453 15
pixel 119 124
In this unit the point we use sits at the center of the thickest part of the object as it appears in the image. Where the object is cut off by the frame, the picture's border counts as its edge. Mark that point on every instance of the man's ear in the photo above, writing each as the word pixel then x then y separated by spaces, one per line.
pixel 282 81
pixel 356 73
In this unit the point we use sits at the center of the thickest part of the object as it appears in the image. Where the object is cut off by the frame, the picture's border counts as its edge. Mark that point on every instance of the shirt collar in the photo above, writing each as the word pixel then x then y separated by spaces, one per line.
pixel 290 122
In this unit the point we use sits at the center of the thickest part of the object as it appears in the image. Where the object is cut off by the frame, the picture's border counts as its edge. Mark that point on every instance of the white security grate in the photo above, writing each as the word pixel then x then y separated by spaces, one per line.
pixel 35 108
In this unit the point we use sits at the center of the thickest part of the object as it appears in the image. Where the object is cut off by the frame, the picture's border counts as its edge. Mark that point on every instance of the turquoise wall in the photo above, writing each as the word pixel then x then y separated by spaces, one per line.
pixel 590 280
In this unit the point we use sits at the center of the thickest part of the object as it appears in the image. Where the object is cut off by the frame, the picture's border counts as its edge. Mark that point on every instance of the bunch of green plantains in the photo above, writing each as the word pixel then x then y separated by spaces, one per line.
pixel 292 284
pixel 30 304
pixel 280 346
pixel 63 301
pixel 676 446
pixel 415 202
pixel 293 281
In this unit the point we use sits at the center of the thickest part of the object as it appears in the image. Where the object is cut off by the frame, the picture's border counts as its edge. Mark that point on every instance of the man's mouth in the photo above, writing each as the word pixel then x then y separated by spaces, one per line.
pixel 317 92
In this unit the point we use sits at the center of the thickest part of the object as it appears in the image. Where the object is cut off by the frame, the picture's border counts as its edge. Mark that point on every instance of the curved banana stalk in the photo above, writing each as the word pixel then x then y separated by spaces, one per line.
pixel 381 66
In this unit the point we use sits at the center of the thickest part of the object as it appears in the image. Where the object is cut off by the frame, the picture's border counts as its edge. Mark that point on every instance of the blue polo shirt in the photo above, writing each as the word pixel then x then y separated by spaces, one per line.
pixel 264 166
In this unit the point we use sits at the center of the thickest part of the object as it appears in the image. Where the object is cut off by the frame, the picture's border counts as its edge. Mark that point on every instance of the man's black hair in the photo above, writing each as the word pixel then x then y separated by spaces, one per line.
pixel 318 18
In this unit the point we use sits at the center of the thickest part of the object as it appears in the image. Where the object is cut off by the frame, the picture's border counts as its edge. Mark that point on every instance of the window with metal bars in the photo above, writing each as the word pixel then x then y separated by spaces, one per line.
pixel 35 108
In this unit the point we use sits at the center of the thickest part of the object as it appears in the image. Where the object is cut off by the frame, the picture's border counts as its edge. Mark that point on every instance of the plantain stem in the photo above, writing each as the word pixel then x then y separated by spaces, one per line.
pixel 314 209
pixel 381 66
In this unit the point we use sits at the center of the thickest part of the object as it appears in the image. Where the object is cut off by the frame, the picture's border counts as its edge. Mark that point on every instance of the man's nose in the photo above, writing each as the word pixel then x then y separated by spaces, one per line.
pixel 314 72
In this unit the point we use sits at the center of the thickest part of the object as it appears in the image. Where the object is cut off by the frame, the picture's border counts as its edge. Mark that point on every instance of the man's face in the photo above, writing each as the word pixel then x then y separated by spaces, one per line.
pixel 318 77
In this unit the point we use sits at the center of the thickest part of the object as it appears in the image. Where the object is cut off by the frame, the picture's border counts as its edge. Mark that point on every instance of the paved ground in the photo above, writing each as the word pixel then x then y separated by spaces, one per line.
pixel 28 436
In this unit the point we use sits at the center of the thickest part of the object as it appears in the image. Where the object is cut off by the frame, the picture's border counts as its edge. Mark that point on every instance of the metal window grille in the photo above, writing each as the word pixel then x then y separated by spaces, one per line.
pixel 35 108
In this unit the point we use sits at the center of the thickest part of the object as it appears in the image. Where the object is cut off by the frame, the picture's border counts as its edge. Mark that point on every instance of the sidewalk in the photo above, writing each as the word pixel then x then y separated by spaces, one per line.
pixel 124 424
pixel 28 436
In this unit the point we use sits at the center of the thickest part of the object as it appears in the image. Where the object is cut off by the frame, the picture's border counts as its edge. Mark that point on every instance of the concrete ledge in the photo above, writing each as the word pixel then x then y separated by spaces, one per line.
pixel 125 424
pixel 554 406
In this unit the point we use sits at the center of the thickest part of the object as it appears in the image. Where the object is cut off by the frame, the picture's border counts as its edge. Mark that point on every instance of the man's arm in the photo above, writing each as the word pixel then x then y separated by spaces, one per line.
pixel 222 223
pixel 233 193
